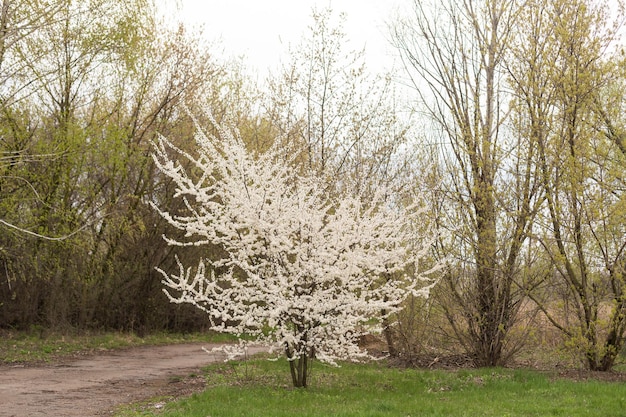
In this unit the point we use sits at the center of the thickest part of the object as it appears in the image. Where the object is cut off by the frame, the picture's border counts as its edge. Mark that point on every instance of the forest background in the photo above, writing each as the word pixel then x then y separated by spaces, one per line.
pixel 514 141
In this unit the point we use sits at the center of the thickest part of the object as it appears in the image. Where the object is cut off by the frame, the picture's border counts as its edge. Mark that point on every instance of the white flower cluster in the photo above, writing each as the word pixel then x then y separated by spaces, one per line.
pixel 304 273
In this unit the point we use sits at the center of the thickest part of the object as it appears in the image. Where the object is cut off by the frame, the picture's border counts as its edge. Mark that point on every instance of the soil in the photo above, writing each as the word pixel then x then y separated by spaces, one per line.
pixel 459 361
pixel 94 385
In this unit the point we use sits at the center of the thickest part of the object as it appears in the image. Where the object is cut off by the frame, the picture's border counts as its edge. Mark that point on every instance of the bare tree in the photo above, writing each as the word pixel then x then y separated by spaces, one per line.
pixel 455 55
pixel 345 118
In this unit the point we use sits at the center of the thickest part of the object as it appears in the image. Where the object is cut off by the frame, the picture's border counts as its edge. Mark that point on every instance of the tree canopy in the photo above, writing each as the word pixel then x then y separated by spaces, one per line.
pixel 302 271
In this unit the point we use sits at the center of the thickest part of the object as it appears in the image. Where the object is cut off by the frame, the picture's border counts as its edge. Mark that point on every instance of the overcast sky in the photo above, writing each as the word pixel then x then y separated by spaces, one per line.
pixel 262 30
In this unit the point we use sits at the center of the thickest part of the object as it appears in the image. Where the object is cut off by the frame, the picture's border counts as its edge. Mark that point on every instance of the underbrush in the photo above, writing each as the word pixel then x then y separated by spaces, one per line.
pixel 261 388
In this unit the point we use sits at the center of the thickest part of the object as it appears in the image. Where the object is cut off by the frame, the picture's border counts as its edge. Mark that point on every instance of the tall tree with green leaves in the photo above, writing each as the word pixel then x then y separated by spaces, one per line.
pixel 567 64
pixel 96 83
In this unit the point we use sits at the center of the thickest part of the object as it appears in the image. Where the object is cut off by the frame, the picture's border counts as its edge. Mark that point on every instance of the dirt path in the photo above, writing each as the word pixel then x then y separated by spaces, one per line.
pixel 95 385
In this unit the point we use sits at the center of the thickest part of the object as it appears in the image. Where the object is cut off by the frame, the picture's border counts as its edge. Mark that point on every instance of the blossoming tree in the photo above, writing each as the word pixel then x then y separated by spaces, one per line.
pixel 302 272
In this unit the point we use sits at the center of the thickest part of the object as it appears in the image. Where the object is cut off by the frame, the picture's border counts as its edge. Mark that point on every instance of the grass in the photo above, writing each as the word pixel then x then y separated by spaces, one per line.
pixel 35 346
pixel 261 388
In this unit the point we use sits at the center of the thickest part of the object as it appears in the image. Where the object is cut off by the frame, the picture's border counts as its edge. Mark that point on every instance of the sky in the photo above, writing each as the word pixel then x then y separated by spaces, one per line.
pixel 262 30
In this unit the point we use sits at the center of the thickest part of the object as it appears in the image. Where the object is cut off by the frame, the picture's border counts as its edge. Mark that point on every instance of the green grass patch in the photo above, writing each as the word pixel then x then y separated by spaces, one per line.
pixel 37 346
pixel 260 388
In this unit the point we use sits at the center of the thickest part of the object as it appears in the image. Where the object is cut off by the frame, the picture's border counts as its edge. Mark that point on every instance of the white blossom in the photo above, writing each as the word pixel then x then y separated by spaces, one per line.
pixel 305 273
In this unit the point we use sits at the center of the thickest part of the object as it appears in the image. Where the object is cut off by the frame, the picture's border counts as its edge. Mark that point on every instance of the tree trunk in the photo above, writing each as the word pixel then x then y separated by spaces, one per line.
pixel 299 367
pixel 299 371
pixel 387 332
